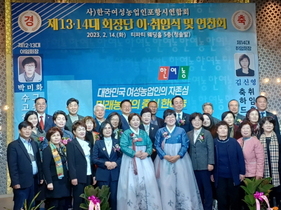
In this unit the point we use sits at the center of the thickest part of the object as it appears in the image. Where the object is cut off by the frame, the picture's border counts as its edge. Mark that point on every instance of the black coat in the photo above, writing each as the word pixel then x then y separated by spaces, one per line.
pixel 77 164
pixel 61 186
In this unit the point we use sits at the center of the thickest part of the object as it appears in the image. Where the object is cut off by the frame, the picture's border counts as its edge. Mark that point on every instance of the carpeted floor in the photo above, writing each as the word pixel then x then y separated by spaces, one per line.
pixel 6 202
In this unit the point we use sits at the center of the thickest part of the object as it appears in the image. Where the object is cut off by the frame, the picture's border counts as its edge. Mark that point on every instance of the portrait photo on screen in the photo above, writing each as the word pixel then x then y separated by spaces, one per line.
pixel 29 69
pixel 244 63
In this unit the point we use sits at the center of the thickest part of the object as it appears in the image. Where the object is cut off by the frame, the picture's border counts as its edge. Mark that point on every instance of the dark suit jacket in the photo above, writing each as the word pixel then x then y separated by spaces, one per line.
pixel 77 163
pixel 216 120
pixel 238 119
pixel 201 153
pixel 160 122
pixel 100 156
pixel 97 128
pixel 69 123
pixel 152 133
pixel 240 73
pixel 187 125
pixel 19 163
pixel 125 124
pixel 48 122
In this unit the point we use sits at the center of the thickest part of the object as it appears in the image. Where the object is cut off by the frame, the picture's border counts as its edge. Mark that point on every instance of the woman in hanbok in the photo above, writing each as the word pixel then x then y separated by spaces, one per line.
pixel 137 185
pixel 177 183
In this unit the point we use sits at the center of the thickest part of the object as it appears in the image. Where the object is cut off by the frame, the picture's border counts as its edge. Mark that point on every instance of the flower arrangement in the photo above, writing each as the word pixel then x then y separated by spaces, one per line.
pixel 65 140
pixel 41 138
pixel 98 196
pixel 94 203
pixel 201 137
pixel 119 132
pixel 96 135
pixel 181 122
pixel 135 137
pixel 257 191
pixel 116 148
pixel 166 135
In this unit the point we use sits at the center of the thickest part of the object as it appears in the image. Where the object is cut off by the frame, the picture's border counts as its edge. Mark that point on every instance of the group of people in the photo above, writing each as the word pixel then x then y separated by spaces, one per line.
pixel 180 161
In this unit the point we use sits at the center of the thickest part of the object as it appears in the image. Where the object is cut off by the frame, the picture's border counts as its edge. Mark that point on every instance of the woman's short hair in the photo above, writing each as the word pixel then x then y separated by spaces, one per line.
pixel 243 57
pixel 168 112
pixel 226 113
pixel 29 60
pixel 196 114
pixel 132 115
pixel 145 110
pixel 102 126
pixel 221 123
pixel 269 119
pixel 112 114
pixel 51 131
pixel 85 119
pixel 78 123
pixel 246 122
pixel 249 112
pixel 55 115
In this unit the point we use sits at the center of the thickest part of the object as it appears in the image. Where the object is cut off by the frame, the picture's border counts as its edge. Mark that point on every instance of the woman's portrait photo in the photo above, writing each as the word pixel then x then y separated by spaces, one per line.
pixel 30 69
pixel 243 65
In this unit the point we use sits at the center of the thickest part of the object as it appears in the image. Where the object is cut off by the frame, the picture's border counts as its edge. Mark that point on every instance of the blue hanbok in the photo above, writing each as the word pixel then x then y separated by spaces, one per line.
pixel 177 183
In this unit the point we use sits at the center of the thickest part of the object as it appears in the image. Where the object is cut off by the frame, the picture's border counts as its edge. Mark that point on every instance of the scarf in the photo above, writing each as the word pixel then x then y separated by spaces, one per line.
pixel 274 158
pixel 57 159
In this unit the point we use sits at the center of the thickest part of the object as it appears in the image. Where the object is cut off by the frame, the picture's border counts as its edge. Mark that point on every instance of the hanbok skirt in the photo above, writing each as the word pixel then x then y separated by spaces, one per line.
pixel 137 192
pixel 177 182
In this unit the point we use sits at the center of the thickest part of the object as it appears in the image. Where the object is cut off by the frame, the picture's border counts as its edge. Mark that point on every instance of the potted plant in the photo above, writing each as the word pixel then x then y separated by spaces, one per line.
pixel 102 194
pixel 256 190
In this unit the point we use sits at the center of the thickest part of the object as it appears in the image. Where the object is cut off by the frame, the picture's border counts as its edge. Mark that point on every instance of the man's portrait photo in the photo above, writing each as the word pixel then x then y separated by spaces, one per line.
pixel 30 69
